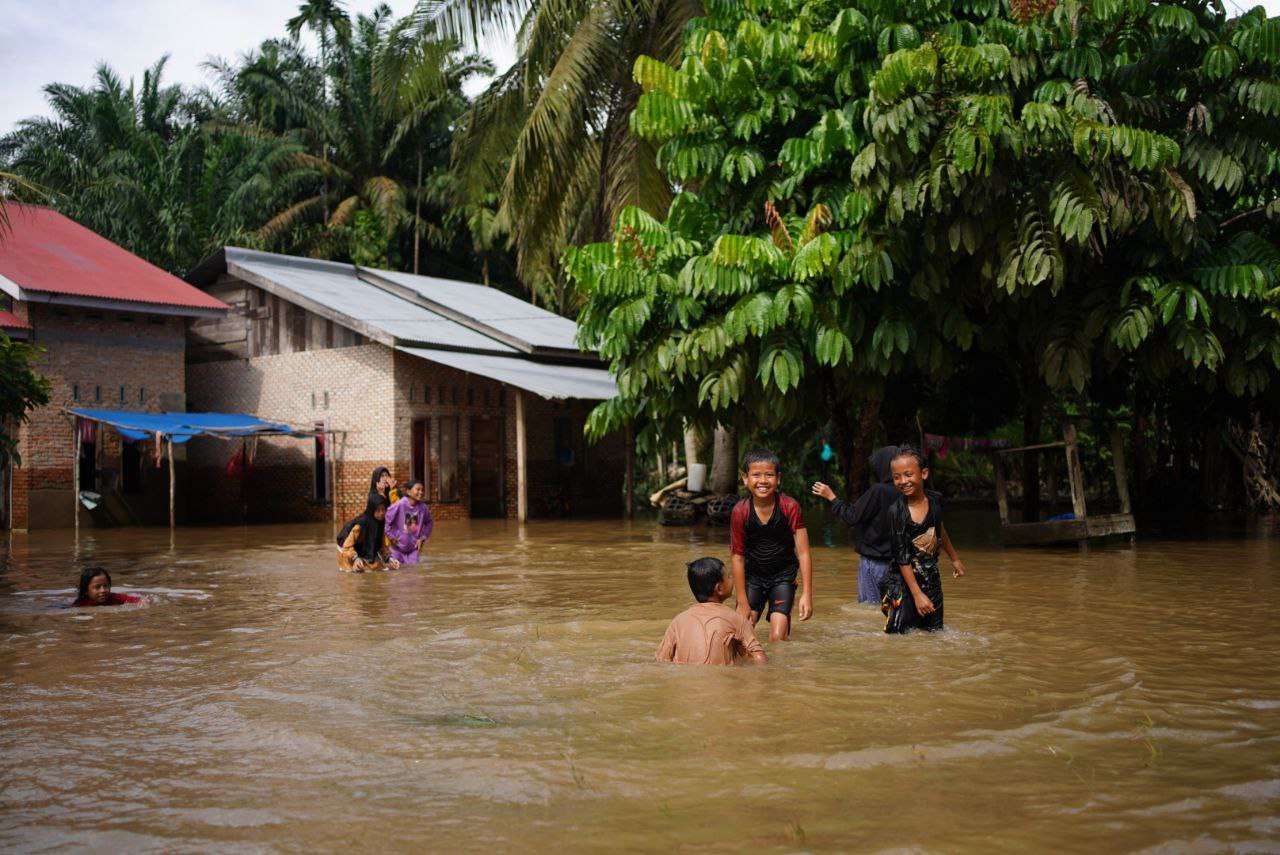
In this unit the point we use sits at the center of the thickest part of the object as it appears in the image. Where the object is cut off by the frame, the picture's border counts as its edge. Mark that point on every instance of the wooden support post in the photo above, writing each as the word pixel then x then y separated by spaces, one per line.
pixel 1122 473
pixel 1002 493
pixel 628 500
pixel 1075 474
pixel 75 477
pixel 522 455
pixel 171 487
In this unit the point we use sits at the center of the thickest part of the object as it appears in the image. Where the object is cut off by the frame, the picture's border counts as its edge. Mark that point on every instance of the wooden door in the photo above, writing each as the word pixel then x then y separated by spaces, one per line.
pixel 486 467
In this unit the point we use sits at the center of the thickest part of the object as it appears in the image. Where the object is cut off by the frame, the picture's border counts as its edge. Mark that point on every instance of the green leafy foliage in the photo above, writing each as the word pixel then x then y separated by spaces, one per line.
pixel 884 189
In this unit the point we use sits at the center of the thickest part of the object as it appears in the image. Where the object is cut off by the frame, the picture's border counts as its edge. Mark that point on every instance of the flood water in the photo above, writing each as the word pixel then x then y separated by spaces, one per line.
pixel 504 697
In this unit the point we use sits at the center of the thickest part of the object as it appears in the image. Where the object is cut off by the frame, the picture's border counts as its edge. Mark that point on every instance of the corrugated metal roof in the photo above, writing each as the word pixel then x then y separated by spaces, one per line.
pixel 48 253
pixel 547 381
pixel 10 321
pixel 492 308
pixel 338 287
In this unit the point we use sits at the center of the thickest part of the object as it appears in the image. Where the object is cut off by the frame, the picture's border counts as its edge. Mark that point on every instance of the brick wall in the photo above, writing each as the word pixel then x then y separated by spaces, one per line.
pixel 349 389
pixel 93 354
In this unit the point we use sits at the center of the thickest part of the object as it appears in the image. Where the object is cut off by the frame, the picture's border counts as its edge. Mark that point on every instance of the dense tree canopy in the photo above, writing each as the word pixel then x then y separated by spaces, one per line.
pixel 872 191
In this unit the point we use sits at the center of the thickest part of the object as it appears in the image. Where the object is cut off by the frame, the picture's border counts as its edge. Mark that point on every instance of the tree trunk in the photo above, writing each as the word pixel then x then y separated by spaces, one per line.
pixel 1032 422
pixel 417 216
pixel 694 445
pixel 724 461
pixel 1139 453
pixel 484 270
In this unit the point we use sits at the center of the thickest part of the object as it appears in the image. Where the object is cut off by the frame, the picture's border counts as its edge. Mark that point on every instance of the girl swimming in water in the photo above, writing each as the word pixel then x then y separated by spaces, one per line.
pixel 95 590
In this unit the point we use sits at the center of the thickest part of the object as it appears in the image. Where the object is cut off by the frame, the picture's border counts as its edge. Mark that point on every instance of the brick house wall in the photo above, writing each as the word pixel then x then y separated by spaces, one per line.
pixel 348 389
pixel 99 359
pixel 372 395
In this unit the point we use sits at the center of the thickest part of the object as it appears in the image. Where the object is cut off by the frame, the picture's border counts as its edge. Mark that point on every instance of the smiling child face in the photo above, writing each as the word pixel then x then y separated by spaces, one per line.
pixel 99 589
pixel 761 480
pixel 417 493
pixel 908 475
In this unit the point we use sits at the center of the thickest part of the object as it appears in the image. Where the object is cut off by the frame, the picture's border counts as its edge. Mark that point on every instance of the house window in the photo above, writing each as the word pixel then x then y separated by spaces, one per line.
pixel 412 392
pixel 122 394
pixel 449 486
pixel 426 393
pixel 471 396
pixel 440 395
pixel 454 394
pixel 75 391
pixel 97 393
pixel 142 394
pixel 326 399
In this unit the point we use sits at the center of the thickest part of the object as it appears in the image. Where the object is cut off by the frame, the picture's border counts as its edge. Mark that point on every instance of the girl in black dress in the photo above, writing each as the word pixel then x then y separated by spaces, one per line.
pixel 913 595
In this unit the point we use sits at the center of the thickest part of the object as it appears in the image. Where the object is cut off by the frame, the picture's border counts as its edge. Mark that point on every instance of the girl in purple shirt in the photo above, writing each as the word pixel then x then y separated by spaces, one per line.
pixel 409 524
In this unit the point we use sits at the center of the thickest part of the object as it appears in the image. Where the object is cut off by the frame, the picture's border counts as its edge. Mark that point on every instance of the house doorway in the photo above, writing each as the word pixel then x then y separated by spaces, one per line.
pixel 486 467
pixel 420 453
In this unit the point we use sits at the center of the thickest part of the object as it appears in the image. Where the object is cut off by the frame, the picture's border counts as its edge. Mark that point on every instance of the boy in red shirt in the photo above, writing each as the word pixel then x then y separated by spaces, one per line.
pixel 770 545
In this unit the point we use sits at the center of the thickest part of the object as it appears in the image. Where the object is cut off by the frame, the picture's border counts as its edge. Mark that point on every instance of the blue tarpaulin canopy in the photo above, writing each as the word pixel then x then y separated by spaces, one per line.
pixel 180 427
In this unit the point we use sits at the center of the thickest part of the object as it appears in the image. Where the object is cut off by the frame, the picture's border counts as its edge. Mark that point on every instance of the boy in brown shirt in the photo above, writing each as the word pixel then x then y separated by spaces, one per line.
pixel 710 633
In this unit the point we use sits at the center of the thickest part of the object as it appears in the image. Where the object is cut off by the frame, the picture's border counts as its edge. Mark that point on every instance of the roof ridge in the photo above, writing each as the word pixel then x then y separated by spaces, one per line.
pixel 292 260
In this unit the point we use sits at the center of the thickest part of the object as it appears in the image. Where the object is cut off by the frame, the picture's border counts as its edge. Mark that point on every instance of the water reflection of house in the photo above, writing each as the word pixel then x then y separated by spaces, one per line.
pixel 112 329
pixel 436 379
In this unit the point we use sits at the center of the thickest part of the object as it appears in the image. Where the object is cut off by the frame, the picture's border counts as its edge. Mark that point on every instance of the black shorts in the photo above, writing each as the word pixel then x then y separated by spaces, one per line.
pixel 771 595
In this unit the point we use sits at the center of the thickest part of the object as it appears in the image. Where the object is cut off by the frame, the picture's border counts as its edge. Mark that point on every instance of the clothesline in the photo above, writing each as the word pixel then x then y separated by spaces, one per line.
pixel 944 445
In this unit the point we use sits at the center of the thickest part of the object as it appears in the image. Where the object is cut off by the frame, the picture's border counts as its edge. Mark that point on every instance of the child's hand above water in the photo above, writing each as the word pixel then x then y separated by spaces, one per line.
pixel 805 606
pixel 957 568
pixel 820 489
pixel 924 605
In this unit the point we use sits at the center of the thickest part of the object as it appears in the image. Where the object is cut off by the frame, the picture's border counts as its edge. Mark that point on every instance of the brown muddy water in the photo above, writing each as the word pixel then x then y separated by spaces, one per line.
pixel 503 697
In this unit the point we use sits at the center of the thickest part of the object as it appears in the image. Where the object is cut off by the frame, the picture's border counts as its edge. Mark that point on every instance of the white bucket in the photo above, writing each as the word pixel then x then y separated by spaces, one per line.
pixel 697 478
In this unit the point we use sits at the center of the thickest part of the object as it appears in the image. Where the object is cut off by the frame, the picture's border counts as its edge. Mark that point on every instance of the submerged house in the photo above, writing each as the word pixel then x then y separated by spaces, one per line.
pixel 113 332
pixel 477 393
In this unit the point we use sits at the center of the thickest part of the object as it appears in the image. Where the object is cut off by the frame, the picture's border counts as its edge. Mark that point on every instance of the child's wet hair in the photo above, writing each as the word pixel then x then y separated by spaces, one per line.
pixel 376 500
pixel 704 575
pixel 909 451
pixel 87 575
pixel 411 483
pixel 761 455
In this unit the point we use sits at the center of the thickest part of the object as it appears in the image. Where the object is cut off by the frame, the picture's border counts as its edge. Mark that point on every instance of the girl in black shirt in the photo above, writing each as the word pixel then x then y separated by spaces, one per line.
pixel 913 596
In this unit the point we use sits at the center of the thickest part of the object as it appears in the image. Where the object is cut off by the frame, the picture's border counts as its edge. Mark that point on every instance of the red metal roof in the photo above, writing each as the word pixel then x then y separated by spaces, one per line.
pixel 47 252
pixel 10 321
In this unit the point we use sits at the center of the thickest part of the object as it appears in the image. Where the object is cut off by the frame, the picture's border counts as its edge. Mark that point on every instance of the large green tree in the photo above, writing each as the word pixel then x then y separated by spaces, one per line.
pixel 870 191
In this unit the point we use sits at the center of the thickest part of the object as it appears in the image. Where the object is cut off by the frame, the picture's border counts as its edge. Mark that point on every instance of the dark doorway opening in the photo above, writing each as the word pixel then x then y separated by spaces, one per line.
pixel 421 452
pixel 486 467
pixel 88 462
pixel 321 466
pixel 130 468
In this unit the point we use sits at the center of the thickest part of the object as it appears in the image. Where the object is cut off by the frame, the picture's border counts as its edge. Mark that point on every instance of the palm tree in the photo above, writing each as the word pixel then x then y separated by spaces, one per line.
pixel 374 138
pixel 133 164
pixel 550 136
